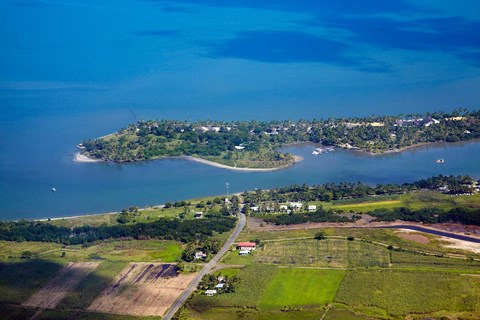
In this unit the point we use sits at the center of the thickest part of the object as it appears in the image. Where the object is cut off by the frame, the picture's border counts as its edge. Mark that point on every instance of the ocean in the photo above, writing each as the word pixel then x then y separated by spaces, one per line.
pixel 71 70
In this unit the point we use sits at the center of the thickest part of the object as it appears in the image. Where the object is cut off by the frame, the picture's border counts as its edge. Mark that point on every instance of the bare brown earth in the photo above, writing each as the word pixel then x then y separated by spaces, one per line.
pixel 412 236
pixel 144 289
pixel 49 296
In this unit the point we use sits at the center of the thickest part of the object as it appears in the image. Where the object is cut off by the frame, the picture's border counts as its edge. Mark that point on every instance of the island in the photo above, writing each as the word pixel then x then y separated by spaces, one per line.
pixel 254 145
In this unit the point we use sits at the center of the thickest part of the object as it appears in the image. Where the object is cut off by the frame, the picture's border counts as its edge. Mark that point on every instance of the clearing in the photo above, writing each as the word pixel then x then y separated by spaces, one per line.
pixel 332 253
pixel 49 296
pixel 146 289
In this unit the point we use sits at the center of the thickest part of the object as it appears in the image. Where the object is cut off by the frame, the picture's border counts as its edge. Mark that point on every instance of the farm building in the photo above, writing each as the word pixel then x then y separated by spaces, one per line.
pixel 243 252
pixel 210 293
pixel 312 208
pixel 246 246
pixel 200 255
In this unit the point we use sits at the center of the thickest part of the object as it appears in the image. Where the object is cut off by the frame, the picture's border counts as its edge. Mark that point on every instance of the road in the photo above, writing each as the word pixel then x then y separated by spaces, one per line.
pixel 206 269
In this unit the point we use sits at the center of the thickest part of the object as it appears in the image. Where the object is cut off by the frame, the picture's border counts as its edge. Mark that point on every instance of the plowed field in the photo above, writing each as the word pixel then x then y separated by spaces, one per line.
pixel 146 289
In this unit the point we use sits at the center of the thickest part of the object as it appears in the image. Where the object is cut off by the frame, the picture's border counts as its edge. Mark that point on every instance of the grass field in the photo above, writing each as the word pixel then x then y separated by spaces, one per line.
pixel 128 250
pixel 335 253
pixel 369 206
pixel 248 292
pixel 301 287
pixel 403 292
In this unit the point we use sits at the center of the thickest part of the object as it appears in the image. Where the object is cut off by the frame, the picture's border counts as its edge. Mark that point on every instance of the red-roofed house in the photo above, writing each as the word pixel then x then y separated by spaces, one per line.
pixel 246 246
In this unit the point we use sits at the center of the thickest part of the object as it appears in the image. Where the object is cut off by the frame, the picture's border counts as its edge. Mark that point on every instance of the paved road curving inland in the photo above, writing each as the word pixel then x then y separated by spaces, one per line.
pixel 435 232
pixel 206 269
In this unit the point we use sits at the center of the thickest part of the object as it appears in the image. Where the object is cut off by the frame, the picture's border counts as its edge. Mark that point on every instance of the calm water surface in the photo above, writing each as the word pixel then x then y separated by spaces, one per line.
pixel 75 69
pixel 37 155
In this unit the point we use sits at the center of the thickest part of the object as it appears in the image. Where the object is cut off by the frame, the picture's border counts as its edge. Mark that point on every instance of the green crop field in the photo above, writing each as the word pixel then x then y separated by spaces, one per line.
pixel 302 287
pixel 248 292
pixel 335 253
pixel 409 260
pixel 403 292
pixel 128 250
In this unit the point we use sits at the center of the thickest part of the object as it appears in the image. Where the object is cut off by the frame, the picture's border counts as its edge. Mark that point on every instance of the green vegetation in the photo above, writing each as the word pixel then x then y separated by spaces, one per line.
pixel 336 253
pixel 92 285
pixel 302 287
pixel 248 290
pixel 161 229
pixel 403 292
pixel 84 315
pixel 124 250
pixel 253 144
pixel 320 215
pixel 20 280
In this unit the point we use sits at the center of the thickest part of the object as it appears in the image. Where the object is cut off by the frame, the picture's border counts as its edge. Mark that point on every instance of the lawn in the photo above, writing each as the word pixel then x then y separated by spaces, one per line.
pixel 403 292
pixel 301 287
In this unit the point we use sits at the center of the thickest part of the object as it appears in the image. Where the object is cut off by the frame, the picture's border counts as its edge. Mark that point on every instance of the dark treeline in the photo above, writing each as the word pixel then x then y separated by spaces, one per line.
pixel 320 215
pixel 429 215
pixel 163 138
pixel 346 190
pixel 168 229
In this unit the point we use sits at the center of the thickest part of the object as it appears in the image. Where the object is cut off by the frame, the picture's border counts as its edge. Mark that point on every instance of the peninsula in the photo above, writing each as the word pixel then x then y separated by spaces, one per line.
pixel 255 144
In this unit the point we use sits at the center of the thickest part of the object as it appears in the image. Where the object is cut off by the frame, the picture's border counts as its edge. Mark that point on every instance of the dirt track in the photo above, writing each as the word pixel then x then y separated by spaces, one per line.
pixel 145 289
pixel 49 296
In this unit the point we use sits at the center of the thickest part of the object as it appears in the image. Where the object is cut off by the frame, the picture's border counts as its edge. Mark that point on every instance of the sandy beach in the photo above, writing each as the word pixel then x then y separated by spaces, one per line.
pixel 78 157
pixel 219 165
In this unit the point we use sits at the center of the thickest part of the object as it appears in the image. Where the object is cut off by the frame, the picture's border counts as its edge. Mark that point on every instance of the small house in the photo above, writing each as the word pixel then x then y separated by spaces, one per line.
pixel 220 285
pixel 210 293
pixel 283 207
pixel 312 208
pixel 296 205
pixel 239 147
pixel 246 246
pixel 254 209
pixel 198 215
pixel 200 255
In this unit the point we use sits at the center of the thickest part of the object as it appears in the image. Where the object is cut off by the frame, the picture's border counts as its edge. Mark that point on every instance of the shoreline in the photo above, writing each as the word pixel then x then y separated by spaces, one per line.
pixel 224 166
pixel 80 158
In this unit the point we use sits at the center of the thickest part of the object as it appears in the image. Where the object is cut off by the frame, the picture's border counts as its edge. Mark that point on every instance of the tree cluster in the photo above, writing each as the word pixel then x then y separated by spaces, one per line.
pixel 168 229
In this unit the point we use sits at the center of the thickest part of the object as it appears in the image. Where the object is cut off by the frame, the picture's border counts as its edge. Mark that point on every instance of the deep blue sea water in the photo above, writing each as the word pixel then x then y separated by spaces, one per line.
pixel 72 69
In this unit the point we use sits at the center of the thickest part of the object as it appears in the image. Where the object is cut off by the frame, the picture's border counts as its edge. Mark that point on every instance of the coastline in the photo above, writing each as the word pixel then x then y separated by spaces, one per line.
pixel 223 166
pixel 80 158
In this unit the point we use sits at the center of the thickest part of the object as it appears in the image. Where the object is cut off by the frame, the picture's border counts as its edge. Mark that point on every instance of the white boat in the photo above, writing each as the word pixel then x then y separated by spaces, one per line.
pixel 316 153
pixel 440 161
pixel 54 190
